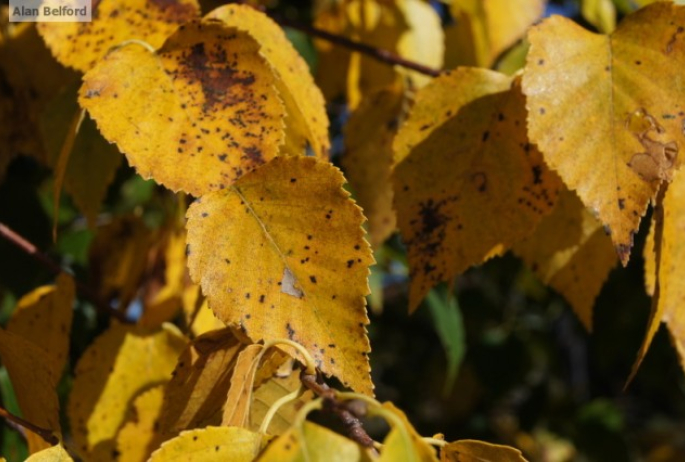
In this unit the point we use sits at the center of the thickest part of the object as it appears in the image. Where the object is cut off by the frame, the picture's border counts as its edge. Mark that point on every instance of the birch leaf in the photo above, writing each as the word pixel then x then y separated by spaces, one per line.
pixel 52 454
pixel 139 436
pixel 666 263
pixel 368 159
pixel 114 369
pixel 311 442
pixel 81 45
pixel 197 391
pixel 479 451
pixel 622 142
pixel 467 182
pixel 294 229
pixel 34 385
pixel 91 162
pixel 307 122
pixel 214 118
pixel 211 444
pixel 484 29
pixel 403 443
pixel 570 251
pixel 44 317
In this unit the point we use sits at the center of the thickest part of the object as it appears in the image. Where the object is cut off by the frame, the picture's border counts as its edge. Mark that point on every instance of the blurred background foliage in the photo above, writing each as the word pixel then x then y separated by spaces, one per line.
pixel 498 357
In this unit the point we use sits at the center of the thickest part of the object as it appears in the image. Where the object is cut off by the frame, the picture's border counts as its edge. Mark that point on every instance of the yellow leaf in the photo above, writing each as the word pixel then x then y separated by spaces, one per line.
pixel 251 370
pixel 52 454
pixel 239 399
pixel 196 394
pixel 649 254
pixel 403 443
pixel 91 163
pixel 369 134
pixel 34 383
pixel 211 444
pixel 294 230
pixel 268 393
pixel 214 118
pixel 424 42
pixel 616 147
pixel 197 313
pixel 312 443
pixel 467 182
pixel 44 317
pixel 81 45
pixel 161 306
pixel 307 121
pixel 484 29
pixel 570 251
pixel 139 436
pixel 479 451
pixel 115 368
pixel 410 28
pixel 599 13
pixel 115 258
pixel 668 302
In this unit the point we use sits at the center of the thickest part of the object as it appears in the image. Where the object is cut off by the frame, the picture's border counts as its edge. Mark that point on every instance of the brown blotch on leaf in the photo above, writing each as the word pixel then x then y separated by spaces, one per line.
pixel 480 181
pixel 215 77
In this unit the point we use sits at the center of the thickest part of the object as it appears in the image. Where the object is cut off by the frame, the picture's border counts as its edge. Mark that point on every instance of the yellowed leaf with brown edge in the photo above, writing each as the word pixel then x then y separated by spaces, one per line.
pixel 306 120
pixel 139 435
pixel 91 162
pixel 479 451
pixel 196 393
pixel 570 251
pixel 112 372
pixel 668 299
pixel 197 313
pixel 403 443
pixel 268 393
pixel 215 118
pixel 368 158
pixel 292 226
pixel 43 317
pixel 34 384
pixel 621 143
pixel 468 184
pixel 52 454
pixel 161 304
pixel 484 29
pixel 115 262
pixel 212 444
pixel 307 442
pixel 81 45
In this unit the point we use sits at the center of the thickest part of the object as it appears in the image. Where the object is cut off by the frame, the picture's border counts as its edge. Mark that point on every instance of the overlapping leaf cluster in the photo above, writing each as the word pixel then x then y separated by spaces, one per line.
pixel 221 108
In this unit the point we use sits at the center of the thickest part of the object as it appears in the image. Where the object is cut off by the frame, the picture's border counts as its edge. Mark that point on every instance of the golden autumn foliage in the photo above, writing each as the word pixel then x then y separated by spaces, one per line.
pixel 229 304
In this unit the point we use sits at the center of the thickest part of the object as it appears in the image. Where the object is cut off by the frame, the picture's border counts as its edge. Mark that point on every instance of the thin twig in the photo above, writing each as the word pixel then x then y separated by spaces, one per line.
pixel 44 433
pixel 28 248
pixel 353 426
pixel 385 56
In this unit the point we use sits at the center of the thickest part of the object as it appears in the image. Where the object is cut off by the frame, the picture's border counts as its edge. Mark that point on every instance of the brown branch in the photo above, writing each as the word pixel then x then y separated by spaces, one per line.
pixel 44 433
pixel 342 409
pixel 384 56
pixel 28 248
